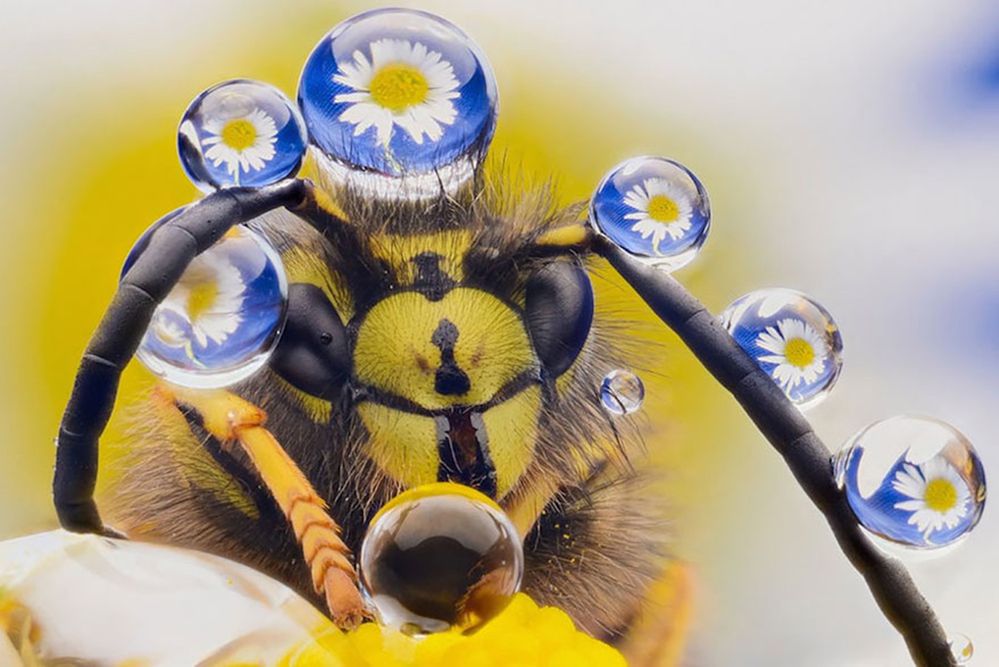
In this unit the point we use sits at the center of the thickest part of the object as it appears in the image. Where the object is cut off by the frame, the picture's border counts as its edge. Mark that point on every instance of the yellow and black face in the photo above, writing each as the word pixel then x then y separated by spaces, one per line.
pixel 453 346
pixel 449 383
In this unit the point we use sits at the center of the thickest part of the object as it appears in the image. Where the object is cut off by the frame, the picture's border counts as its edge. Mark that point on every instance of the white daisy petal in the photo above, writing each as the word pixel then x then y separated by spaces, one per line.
pixel 258 127
pixel 422 118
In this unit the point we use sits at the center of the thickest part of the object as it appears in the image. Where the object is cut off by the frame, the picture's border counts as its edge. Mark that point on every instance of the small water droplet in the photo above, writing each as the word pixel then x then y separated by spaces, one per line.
pixel 913 481
pixel 241 132
pixel 961 648
pixel 655 209
pixel 792 338
pixel 440 556
pixel 622 392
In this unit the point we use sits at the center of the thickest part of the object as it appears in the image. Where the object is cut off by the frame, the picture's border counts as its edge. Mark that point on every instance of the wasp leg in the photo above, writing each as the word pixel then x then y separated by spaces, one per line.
pixel 155 272
pixel 231 419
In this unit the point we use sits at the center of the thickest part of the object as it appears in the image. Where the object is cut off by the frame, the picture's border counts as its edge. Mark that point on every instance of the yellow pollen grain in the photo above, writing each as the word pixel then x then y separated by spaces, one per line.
pixel 799 352
pixel 398 86
pixel 239 134
pixel 941 496
pixel 201 299
pixel 663 209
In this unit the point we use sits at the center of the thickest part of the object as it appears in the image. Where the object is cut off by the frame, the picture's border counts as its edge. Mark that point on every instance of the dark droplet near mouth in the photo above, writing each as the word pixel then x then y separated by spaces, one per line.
pixel 463 450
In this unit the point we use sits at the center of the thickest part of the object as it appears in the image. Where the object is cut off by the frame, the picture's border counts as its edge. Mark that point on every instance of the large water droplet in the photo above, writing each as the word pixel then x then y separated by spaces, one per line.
pixel 221 321
pixel 914 481
pixel 961 648
pixel 438 557
pixel 655 209
pixel 399 102
pixel 792 338
pixel 241 132
pixel 622 392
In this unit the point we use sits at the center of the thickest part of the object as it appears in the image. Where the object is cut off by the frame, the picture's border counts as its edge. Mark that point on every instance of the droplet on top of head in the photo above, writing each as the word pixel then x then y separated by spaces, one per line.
pixel 792 338
pixel 654 208
pixel 398 103
pixel 913 481
pixel 241 133
pixel 440 556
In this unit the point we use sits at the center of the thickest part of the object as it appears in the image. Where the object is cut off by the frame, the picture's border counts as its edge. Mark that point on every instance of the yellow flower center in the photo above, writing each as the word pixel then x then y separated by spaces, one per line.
pixel 239 134
pixel 398 86
pixel 663 209
pixel 799 352
pixel 202 298
pixel 941 496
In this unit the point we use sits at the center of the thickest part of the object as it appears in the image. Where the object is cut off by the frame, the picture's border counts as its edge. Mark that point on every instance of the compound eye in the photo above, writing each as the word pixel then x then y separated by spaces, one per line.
pixel 314 353
pixel 396 92
pixel 241 133
pixel 559 312
pixel 222 320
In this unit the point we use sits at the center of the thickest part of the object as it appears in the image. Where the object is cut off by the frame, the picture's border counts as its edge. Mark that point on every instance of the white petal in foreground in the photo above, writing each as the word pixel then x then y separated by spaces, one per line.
pixel 116 602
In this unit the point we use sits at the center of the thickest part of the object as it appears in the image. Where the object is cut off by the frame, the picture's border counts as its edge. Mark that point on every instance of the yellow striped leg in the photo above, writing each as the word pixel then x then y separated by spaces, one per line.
pixel 231 419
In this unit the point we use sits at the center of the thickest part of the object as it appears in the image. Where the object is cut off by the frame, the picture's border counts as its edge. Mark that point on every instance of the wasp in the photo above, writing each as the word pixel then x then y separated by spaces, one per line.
pixel 452 337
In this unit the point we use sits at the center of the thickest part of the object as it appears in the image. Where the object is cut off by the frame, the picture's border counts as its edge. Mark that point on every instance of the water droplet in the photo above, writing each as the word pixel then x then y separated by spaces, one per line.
pixel 913 481
pixel 241 132
pixel 221 321
pixel 654 208
pixel 792 338
pixel 394 93
pixel 440 556
pixel 961 648
pixel 622 392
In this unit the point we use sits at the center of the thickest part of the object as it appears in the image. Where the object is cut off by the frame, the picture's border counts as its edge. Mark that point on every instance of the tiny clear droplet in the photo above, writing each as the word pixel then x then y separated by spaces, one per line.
pixel 222 320
pixel 439 557
pixel 622 392
pixel 399 102
pixel 914 481
pixel 655 209
pixel 961 648
pixel 792 338
pixel 241 133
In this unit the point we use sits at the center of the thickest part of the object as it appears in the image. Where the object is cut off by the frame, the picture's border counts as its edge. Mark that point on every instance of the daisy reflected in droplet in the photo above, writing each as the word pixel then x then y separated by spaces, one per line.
pixel 939 496
pixel 661 208
pixel 209 297
pixel 798 351
pixel 242 143
pixel 404 84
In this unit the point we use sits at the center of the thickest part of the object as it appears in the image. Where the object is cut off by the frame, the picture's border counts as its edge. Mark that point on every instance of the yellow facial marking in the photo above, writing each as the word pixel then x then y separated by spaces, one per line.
pixel 239 134
pixel 398 353
pixel 404 445
pixel 941 496
pixel 202 299
pixel 663 209
pixel 512 430
pixel 398 86
pixel 799 352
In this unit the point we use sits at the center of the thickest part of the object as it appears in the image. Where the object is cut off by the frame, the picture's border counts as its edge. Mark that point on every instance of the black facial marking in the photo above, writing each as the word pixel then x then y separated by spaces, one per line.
pixel 431 280
pixel 449 380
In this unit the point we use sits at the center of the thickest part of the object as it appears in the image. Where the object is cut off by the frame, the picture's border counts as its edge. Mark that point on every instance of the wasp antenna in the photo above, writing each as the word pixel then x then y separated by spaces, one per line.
pixel 148 281
pixel 791 435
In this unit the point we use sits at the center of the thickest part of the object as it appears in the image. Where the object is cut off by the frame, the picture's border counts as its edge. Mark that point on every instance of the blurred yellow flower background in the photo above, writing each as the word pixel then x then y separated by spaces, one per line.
pixel 811 129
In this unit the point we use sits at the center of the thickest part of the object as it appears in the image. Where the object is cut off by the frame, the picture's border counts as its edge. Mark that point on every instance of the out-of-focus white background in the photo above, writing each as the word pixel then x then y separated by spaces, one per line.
pixel 851 150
